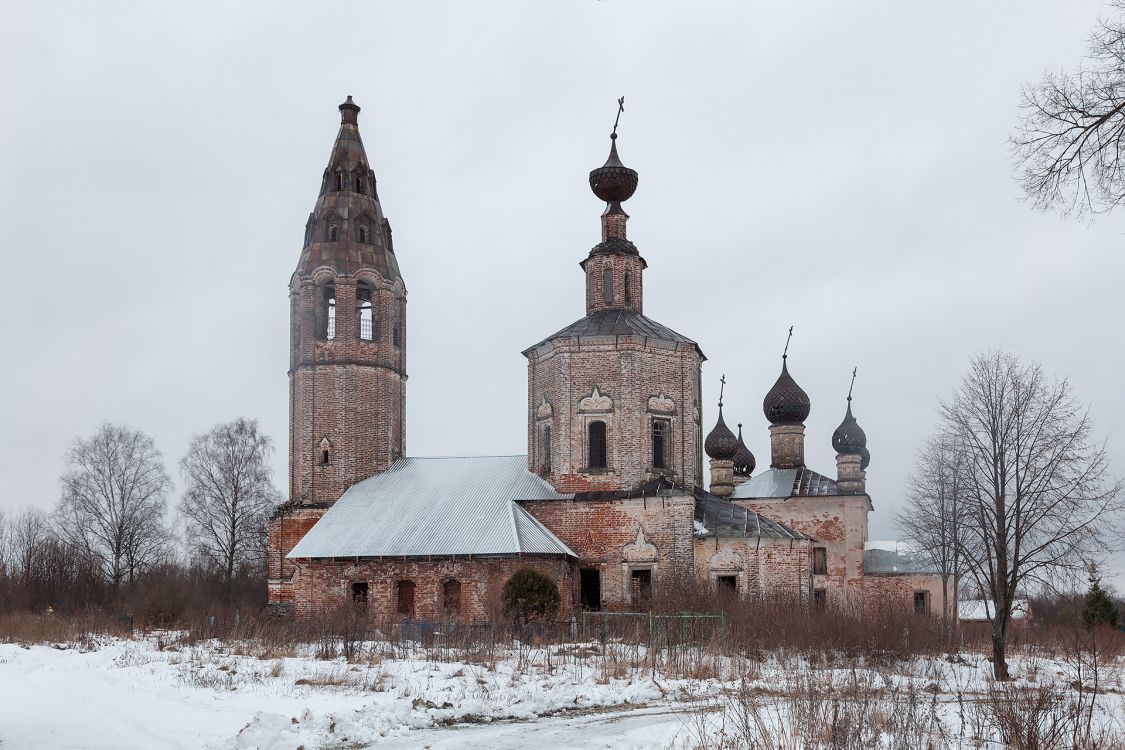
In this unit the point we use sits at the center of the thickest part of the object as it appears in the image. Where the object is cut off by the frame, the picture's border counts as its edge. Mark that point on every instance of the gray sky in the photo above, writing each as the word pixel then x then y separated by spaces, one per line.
pixel 841 167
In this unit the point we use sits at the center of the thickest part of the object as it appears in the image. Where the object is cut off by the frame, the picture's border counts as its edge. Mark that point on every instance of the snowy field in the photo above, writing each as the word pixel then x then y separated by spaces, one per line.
pixel 155 693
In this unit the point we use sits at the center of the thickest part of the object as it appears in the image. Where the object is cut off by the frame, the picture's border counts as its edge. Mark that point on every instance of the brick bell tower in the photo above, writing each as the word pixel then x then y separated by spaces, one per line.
pixel 613 398
pixel 347 348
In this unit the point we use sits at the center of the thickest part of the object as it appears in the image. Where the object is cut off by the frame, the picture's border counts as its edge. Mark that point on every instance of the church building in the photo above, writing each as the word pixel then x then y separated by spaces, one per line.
pixel 610 500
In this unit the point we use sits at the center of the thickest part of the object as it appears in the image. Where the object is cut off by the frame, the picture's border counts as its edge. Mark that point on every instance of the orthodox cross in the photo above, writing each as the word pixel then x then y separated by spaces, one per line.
pixel 785 353
pixel 722 386
pixel 850 387
pixel 620 109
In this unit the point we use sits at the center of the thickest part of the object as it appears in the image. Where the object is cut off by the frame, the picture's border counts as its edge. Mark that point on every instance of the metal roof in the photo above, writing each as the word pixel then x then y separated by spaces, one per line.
pixel 800 482
pixel 725 519
pixel 891 558
pixel 617 323
pixel 437 506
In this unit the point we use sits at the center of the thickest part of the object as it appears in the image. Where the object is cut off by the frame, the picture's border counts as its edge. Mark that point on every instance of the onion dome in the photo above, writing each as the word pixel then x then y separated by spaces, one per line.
pixel 613 182
pixel 744 462
pixel 866 455
pixel 849 436
pixel 721 442
pixel 786 402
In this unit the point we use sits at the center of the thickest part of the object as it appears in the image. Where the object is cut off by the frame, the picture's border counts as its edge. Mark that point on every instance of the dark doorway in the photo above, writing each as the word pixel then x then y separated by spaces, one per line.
pixel 820 597
pixel 359 594
pixel 451 597
pixel 727 584
pixel 640 584
pixel 590 583
pixel 406 598
pixel 921 602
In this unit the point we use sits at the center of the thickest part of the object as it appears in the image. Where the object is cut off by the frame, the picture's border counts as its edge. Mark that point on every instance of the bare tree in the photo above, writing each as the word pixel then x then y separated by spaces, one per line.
pixel 1038 499
pixel 932 518
pixel 229 495
pixel 114 498
pixel 1068 144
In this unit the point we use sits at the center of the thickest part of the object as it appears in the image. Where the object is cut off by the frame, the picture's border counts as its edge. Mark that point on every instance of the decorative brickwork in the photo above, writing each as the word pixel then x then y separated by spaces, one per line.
pixel 760 566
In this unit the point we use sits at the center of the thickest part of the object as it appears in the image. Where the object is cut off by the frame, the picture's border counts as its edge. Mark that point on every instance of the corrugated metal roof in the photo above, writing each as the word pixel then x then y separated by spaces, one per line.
pixel 437 506
pixel 717 517
pixel 617 323
pixel 801 482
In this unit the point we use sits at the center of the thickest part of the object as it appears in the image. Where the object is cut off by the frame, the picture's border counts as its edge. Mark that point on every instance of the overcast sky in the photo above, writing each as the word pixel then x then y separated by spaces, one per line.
pixel 839 167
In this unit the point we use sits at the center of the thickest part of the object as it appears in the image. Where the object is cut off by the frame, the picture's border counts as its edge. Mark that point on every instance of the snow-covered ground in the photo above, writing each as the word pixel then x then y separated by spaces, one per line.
pixel 152 693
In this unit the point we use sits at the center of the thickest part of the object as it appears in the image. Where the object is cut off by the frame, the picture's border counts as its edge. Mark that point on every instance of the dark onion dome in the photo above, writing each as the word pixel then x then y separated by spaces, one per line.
pixel 786 402
pixel 866 454
pixel 849 436
pixel 721 442
pixel 744 462
pixel 613 182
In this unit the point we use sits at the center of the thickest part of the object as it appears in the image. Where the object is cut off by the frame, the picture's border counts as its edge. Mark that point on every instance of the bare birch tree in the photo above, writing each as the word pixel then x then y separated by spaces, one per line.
pixel 229 495
pixel 1038 499
pixel 932 518
pixel 1069 142
pixel 114 499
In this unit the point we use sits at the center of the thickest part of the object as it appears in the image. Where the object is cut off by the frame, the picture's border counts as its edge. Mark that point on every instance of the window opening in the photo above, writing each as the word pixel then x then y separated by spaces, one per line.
pixel 359 184
pixel 590 586
pixel 819 561
pixel 921 602
pixel 359 594
pixel 326 328
pixel 660 431
pixel 332 232
pixel 625 290
pixel 607 285
pixel 451 596
pixel 640 585
pixel 405 605
pixel 363 233
pixel 598 458
pixel 339 181
pixel 545 459
pixel 820 597
pixel 325 457
pixel 726 584
pixel 365 312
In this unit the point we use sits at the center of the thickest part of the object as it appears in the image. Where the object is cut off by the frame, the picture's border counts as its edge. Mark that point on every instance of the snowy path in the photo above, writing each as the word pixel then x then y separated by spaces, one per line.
pixel 638 729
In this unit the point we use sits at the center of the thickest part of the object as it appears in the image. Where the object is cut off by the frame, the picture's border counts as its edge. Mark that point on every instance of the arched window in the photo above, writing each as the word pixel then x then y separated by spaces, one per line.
pixel 451 596
pixel 661 429
pixel 332 232
pixel 364 234
pixel 326 323
pixel 339 180
pixel 324 452
pixel 597 446
pixel 359 184
pixel 607 285
pixel 365 311
pixel 405 596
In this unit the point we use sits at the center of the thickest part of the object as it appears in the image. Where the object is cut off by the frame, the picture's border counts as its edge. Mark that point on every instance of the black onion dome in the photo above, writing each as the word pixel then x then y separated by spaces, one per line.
pixel 744 462
pixel 786 402
pixel 721 442
pixel 849 436
pixel 866 455
pixel 613 182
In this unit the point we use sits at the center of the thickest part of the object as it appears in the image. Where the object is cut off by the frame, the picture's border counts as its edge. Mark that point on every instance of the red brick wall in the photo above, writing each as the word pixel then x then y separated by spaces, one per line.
pixel 896 592
pixel 321 585
pixel 287 527
pixel 629 370
pixel 599 531
pixel 765 566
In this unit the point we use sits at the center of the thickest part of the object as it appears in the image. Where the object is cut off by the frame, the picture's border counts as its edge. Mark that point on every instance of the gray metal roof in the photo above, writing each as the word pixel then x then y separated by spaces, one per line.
pixel 437 506
pixel 895 558
pixel 617 323
pixel 725 519
pixel 801 482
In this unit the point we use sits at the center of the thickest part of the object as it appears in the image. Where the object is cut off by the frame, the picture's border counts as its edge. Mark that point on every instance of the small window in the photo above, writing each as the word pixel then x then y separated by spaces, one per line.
pixel 661 428
pixel 820 597
pixel 405 603
pixel 727 584
pixel 640 586
pixel 363 233
pixel 607 285
pixel 359 594
pixel 359 184
pixel 326 317
pixel 545 449
pixel 339 181
pixel 451 596
pixel 598 458
pixel 332 232
pixel 819 561
pixel 625 290
pixel 921 602
pixel 325 456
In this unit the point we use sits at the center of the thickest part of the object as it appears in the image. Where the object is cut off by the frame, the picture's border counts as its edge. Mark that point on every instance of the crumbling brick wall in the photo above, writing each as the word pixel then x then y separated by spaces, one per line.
pixel 761 566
